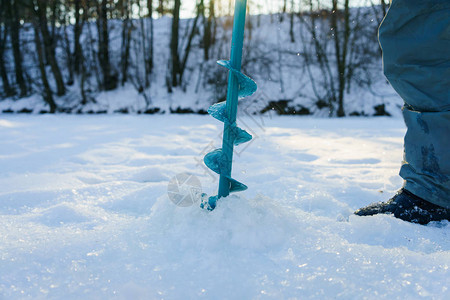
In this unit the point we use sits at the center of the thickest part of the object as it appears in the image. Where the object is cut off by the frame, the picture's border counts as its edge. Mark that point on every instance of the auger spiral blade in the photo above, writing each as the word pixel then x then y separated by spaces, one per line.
pixel 239 86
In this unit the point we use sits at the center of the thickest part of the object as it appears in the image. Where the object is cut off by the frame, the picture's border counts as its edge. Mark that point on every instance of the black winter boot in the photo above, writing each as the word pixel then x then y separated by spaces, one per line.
pixel 408 207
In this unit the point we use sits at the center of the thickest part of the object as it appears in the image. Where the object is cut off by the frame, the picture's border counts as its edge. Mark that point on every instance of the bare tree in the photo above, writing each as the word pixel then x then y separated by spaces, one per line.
pixel 162 8
pixel 178 62
pixel 54 16
pixel 338 43
pixel 149 59
pixel 11 8
pixel 315 55
pixel 208 26
pixel 69 56
pixel 40 10
pixel 47 93
pixel 109 79
pixel 3 36
pixel 187 51
pixel 90 74
pixel 175 58
pixel 126 39
pixel 341 44
pixel 291 22
pixel 77 30
pixel 144 46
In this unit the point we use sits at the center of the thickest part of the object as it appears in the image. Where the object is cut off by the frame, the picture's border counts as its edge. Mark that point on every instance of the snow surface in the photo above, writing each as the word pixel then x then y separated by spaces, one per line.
pixel 84 212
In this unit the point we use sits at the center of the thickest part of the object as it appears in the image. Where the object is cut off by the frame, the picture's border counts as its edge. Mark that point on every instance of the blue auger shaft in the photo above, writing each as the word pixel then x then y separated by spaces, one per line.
pixel 237 44
pixel 239 87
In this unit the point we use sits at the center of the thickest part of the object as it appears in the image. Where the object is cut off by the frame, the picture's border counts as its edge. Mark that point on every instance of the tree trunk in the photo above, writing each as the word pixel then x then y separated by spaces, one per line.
pixel 341 51
pixel 6 86
pixel 53 22
pixel 161 9
pixel 321 55
pixel 109 80
pixel 144 47
pixel 68 54
pixel 201 8
pixel 48 46
pixel 3 36
pixel 175 59
pixel 48 97
pixel 150 15
pixel 207 30
pixel 14 25
pixel 77 29
pixel 291 23
pixel 249 23
pixel 188 47
pixel 126 37
pixel 212 11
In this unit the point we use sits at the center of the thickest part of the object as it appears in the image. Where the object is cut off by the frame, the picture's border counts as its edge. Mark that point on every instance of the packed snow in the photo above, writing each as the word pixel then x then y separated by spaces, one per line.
pixel 85 213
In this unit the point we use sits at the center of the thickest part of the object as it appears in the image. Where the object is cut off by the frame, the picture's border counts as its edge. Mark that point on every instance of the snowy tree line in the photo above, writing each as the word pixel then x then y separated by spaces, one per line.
pixel 312 53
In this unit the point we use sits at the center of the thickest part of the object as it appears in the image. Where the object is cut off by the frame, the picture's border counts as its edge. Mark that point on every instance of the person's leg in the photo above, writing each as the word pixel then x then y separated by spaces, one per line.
pixel 415 38
pixel 426 166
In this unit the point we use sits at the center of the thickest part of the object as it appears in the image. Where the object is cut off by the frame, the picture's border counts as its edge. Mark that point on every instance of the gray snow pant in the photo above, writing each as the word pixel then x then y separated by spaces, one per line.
pixel 415 38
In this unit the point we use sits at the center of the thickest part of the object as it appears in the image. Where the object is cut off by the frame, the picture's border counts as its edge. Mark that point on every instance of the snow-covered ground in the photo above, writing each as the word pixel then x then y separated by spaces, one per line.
pixel 84 212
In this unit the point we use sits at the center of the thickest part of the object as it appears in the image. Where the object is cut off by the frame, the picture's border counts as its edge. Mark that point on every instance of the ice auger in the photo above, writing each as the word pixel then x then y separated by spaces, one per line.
pixel 239 86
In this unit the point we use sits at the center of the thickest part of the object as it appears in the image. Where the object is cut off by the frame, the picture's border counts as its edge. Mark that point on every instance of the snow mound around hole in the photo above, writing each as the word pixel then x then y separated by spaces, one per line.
pixel 257 223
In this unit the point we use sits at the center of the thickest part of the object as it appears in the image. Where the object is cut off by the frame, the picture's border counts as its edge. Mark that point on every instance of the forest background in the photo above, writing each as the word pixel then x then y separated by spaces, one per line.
pixel 308 57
